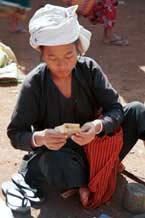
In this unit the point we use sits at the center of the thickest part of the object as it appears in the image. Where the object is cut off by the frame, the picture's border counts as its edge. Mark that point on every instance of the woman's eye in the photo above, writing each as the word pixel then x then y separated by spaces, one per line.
pixel 68 57
pixel 52 59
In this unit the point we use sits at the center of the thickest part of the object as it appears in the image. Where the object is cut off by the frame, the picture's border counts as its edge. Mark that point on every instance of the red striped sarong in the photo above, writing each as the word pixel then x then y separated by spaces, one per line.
pixel 103 157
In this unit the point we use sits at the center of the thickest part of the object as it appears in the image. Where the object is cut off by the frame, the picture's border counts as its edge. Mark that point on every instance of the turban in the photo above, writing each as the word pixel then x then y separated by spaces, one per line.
pixel 55 25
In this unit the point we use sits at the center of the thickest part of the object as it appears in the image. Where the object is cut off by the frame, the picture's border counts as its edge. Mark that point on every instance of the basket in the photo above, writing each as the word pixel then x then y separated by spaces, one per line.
pixel 85 6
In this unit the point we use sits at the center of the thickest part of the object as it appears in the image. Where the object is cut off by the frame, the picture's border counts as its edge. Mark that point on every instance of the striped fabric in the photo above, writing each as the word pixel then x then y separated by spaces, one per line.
pixel 103 157
pixel 85 6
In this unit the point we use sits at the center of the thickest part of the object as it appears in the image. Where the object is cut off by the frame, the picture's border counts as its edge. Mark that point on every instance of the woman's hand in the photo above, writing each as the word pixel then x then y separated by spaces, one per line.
pixel 50 138
pixel 86 134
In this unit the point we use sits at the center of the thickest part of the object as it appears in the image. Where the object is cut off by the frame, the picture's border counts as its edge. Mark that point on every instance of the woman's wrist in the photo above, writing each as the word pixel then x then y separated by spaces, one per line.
pixel 36 140
pixel 98 125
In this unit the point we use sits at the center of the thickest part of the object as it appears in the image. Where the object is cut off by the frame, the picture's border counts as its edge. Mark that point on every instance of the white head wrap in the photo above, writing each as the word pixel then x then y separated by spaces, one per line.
pixel 55 25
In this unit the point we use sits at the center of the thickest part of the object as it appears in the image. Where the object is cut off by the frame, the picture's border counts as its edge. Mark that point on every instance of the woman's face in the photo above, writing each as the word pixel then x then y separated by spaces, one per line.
pixel 60 59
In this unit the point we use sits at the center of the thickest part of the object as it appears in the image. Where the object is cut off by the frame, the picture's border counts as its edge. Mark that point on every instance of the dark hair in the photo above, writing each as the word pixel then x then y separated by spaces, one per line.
pixel 79 47
pixel 76 42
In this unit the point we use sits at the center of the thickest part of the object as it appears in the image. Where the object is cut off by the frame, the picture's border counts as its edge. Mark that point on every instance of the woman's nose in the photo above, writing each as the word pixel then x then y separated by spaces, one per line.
pixel 62 65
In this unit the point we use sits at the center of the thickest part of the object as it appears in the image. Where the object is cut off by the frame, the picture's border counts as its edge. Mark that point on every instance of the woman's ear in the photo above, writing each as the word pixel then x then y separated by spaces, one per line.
pixel 41 53
pixel 79 47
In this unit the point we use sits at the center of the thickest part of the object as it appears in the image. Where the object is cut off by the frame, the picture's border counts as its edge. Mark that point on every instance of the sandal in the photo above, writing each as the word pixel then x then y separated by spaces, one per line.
pixel 68 193
pixel 14 198
pixel 25 189
pixel 117 37
pixel 120 41
pixel 117 40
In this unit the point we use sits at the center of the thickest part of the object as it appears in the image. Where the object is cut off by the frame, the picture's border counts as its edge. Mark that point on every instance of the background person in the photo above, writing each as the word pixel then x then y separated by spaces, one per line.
pixel 101 12
pixel 17 12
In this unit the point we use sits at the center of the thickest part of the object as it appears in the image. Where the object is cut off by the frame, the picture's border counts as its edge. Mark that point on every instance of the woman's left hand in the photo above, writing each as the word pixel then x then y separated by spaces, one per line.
pixel 85 135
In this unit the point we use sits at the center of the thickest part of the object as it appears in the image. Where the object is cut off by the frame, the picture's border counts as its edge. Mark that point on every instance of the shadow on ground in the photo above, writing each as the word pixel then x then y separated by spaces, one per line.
pixel 55 206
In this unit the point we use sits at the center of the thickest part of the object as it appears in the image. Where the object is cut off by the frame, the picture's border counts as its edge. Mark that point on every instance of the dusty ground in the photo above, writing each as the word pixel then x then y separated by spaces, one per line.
pixel 124 67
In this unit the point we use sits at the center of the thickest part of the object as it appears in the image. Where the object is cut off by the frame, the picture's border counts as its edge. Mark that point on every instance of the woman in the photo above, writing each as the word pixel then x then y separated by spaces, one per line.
pixel 70 88
pixel 102 12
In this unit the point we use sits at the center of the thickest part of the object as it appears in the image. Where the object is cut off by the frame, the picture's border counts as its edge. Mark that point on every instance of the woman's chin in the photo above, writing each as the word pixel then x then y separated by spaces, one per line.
pixel 64 75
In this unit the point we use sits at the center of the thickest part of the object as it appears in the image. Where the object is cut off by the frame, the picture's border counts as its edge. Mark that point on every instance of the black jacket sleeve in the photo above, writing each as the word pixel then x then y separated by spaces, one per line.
pixel 108 99
pixel 103 94
pixel 26 113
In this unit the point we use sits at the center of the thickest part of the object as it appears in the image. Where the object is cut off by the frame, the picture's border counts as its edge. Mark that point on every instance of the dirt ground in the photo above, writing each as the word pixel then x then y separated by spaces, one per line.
pixel 125 67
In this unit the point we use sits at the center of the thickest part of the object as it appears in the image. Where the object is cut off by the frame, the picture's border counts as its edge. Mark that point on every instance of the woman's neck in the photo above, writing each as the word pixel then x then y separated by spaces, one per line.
pixel 61 79
pixel 64 85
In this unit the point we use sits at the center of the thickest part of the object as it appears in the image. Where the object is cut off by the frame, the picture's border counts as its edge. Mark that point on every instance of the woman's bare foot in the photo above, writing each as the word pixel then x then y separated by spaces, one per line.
pixel 84 195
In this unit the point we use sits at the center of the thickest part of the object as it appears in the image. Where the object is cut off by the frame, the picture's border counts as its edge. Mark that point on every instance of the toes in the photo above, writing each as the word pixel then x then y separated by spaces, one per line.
pixel 84 195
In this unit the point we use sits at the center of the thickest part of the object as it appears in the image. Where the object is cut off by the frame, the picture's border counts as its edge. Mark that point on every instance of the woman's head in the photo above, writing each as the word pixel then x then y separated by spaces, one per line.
pixel 56 26
pixel 61 59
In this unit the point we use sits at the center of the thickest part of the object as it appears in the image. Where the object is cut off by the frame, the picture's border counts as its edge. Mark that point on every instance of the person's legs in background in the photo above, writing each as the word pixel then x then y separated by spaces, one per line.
pixel 16 20
pixel 133 126
pixel 105 13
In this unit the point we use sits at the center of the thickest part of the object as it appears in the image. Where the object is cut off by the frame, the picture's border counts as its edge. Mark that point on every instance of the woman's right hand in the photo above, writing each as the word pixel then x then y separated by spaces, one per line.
pixel 52 139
